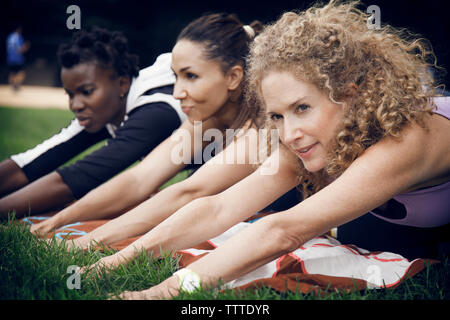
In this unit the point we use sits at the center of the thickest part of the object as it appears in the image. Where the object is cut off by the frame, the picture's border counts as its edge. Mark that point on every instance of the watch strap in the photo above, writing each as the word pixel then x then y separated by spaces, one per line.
pixel 189 280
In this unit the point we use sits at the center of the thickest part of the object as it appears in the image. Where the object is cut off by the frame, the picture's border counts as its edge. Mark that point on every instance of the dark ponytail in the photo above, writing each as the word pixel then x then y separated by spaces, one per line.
pixel 223 36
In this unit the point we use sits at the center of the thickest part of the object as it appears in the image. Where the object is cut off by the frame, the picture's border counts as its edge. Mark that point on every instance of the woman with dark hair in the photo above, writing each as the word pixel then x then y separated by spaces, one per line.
pixel 111 99
pixel 208 60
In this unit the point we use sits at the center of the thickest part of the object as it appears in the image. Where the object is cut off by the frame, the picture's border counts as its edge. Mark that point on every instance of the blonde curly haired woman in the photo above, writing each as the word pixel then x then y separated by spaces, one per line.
pixel 379 77
pixel 359 126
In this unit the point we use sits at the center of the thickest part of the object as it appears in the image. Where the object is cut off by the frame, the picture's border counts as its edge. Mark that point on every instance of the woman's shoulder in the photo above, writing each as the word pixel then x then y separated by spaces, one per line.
pixel 420 151
pixel 435 130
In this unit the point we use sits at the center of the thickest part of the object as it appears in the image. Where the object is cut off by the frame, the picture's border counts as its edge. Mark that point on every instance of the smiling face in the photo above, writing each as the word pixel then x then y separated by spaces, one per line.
pixel 94 95
pixel 202 87
pixel 307 120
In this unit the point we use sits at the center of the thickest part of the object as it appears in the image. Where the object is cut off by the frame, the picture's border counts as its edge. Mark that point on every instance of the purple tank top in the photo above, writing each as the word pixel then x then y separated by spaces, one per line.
pixel 428 207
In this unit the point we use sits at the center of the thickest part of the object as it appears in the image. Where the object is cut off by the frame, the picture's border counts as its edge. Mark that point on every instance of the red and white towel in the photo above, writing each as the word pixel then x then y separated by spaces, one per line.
pixel 321 263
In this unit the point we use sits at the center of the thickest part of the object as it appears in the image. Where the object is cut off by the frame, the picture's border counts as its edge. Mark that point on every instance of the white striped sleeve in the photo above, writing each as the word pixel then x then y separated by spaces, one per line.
pixel 24 158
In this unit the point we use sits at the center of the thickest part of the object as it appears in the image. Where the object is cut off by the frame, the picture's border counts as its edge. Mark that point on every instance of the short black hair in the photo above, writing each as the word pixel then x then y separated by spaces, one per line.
pixel 107 48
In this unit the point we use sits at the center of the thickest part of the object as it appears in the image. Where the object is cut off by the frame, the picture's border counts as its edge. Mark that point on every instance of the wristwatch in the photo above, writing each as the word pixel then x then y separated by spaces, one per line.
pixel 189 280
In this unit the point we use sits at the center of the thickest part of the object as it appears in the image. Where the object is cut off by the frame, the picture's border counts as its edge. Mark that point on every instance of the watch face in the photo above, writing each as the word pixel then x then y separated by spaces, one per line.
pixel 190 282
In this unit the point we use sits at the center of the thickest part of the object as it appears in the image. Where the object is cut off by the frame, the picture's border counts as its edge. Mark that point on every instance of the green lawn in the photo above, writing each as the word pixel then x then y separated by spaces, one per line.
pixel 34 269
pixel 23 128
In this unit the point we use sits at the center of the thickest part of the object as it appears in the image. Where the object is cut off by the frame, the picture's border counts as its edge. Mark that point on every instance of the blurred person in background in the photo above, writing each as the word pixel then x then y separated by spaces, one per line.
pixel 15 59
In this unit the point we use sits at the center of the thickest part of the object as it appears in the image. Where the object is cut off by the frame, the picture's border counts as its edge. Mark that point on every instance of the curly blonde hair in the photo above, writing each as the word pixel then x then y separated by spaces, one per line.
pixel 331 47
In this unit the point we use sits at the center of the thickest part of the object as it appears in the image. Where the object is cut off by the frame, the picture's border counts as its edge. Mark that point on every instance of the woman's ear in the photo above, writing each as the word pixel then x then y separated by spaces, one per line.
pixel 124 85
pixel 234 77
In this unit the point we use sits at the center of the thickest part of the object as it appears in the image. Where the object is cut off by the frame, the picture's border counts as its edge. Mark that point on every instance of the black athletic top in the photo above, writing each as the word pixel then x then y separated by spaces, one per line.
pixel 145 127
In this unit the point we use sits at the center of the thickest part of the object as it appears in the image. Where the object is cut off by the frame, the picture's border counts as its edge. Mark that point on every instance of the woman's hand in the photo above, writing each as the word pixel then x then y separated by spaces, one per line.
pixel 108 262
pixel 43 228
pixel 134 295
pixel 167 289
pixel 83 242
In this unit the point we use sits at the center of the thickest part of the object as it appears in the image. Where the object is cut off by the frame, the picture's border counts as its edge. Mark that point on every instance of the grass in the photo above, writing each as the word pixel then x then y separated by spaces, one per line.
pixel 23 128
pixel 33 269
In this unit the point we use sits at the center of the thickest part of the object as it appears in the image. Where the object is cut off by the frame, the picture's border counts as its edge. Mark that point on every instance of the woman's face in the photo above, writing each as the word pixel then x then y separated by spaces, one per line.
pixel 201 85
pixel 94 95
pixel 307 120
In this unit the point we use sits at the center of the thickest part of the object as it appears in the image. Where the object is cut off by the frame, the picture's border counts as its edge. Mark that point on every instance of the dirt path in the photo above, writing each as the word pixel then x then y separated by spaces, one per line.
pixel 34 97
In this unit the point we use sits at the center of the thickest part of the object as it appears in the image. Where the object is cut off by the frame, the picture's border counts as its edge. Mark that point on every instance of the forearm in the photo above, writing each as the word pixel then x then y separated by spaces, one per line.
pixel 198 221
pixel 11 177
pixel 125 191
pixel 186 228
pixel 155 210
pixel 207 217
pixel 47 193
pixel 253 247
pixel 258 244
pixel 108 200
pixel 144 217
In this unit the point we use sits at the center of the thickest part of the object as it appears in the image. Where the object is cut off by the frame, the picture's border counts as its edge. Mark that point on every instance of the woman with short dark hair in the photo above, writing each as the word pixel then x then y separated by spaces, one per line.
pixel 111 99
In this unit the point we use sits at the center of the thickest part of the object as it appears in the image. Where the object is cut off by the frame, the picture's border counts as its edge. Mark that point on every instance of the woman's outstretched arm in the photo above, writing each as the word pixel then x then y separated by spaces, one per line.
pixel 384 170
pixel 11 177
pixel 208 217
pixel 124 191
pixel 47 193
pixel 212 178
